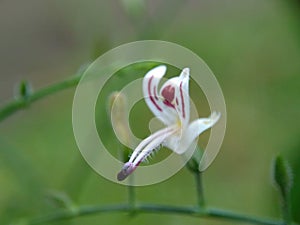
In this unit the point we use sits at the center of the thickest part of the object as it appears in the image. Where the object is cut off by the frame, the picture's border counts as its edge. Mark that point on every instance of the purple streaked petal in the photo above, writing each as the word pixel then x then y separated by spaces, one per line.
pixel 175 93
pixel 155 102
pixel 183 98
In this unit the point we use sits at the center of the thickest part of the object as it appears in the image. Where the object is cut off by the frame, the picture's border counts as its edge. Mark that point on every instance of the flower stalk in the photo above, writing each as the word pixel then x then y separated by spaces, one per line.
pixel 193 167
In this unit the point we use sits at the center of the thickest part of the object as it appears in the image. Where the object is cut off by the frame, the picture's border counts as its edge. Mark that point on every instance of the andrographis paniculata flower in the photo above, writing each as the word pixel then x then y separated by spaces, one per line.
pixel 172 106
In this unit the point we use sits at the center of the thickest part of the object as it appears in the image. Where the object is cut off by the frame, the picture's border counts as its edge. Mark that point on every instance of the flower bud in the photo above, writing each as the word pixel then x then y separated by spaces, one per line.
pixel 23 90
pixel 119 117
pixel 282 175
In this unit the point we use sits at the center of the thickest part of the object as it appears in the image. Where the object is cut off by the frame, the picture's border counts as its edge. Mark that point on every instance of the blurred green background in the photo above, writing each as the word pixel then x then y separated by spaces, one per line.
pixel 252 46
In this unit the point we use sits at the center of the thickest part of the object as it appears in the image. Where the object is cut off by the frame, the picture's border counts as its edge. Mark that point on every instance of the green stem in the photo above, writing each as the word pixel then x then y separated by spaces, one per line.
pixel 220 213
pixel 199 187
pixel 286 212
pixel 149 208
pixel 66 214
pixel 23 102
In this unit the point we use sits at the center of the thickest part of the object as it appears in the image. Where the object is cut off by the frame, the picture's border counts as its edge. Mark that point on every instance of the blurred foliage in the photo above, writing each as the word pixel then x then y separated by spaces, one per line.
pixel 252 46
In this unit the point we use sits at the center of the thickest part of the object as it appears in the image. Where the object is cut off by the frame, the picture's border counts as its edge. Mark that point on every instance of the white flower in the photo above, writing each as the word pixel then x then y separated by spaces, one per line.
pixel 172 106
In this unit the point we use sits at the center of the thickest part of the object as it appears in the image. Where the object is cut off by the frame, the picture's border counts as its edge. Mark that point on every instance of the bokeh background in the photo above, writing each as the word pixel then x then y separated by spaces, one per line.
pixel 252 46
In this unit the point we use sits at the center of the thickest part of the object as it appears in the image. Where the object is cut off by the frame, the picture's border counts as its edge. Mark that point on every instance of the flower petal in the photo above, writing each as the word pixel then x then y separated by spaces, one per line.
pixel 157 141
pixel 175 94
pixel 143 150
pixel 154 101
pixel 148 140
pixel 183 105
pixel 192 132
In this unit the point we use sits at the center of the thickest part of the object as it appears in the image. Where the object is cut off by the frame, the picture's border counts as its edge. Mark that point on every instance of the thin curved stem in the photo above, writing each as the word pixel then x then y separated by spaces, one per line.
pixel 23 102
pixel 66 214
pixel 199 187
